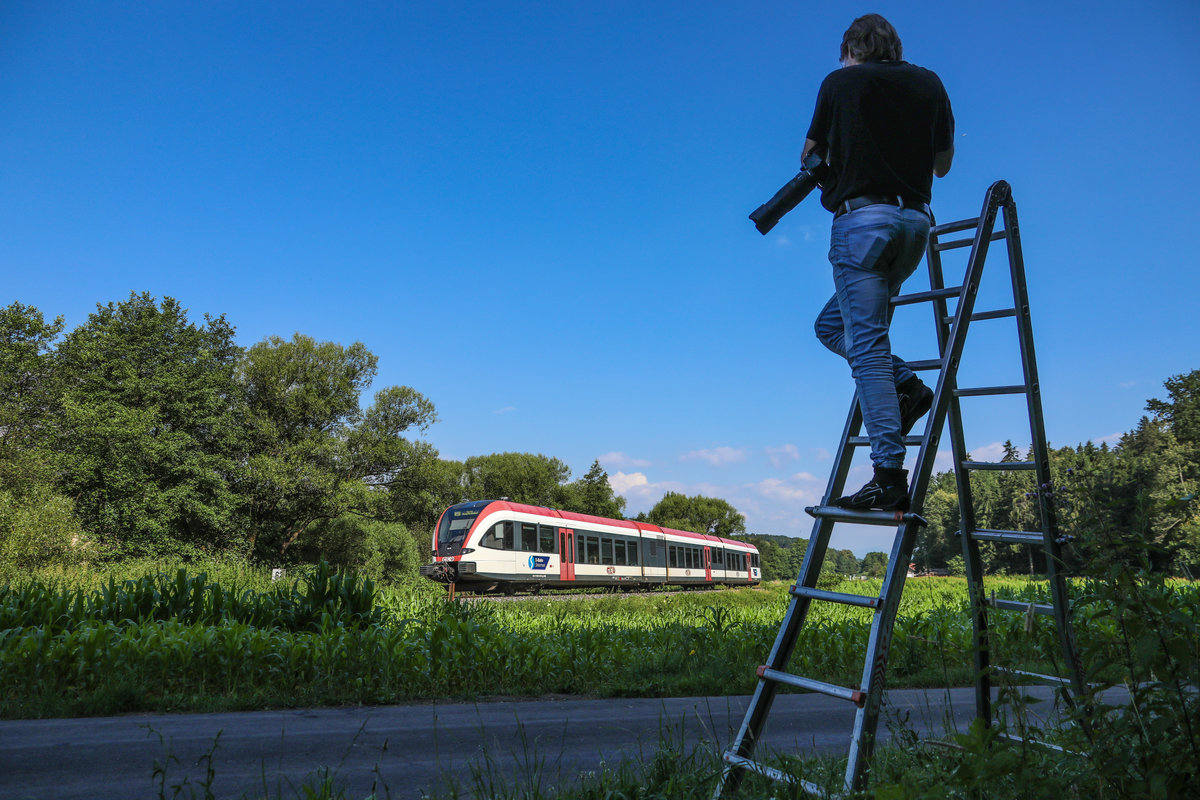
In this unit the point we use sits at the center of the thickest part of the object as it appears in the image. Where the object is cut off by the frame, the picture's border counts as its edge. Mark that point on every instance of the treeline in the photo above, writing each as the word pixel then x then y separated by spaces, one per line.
pixel 782 556
pixel 142 433
pixel 1133 503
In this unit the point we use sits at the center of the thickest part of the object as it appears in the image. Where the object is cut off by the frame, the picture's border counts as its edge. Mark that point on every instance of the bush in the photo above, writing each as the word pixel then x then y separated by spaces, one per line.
pixel 382 551
pixel 37 530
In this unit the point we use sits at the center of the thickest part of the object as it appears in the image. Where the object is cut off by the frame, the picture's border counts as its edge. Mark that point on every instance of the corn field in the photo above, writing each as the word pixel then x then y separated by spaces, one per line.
pixel 174 640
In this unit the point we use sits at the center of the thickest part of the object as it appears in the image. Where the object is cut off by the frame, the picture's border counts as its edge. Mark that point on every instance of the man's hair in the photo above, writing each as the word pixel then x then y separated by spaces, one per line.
pixel 871 38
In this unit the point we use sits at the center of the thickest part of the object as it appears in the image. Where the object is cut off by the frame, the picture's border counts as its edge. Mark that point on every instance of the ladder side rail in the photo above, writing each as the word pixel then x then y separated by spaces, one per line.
pixel 866 718
pixel 785 641
pixel 1046 489
pixel 882 628
pixel 972 559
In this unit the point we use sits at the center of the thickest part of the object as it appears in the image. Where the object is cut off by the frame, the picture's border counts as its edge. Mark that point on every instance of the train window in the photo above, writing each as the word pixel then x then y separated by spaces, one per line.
pixel 653 547
pixel 593 549
pixel 671 555
pixel 546 539
pixel 633 553
pixel 500 537
pixel 619 553
pixel 606 550
pixel 528 537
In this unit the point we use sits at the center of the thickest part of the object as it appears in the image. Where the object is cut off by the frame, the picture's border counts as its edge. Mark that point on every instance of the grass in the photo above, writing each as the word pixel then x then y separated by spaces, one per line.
pixel 80 643
pixel 76 642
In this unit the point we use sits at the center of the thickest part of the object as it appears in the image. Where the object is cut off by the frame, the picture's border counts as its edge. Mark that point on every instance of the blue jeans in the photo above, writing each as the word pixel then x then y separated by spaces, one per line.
pixel 872 250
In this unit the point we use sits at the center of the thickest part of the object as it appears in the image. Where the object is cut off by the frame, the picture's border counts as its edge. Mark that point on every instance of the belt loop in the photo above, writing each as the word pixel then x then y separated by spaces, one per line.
pixel 900 201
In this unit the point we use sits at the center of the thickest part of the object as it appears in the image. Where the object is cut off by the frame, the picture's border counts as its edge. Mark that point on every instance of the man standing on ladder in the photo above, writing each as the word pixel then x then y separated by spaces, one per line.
pixel 885 128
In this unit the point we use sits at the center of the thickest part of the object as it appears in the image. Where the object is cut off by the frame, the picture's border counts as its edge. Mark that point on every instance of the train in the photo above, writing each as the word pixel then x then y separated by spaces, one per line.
pixel 487 546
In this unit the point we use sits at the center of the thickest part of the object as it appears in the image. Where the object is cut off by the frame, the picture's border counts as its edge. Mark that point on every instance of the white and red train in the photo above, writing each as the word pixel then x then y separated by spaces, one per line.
pixel 498 545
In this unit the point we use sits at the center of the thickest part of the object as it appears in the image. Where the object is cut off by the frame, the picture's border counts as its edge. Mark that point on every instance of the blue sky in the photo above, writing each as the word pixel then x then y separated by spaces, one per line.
pixel 535 212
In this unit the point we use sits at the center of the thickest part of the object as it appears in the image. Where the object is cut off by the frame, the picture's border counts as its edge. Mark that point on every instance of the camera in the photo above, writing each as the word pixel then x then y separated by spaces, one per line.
pixel 813 174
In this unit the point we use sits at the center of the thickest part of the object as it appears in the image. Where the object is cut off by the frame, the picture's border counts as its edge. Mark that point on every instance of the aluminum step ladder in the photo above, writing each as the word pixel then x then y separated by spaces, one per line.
pixel 952 330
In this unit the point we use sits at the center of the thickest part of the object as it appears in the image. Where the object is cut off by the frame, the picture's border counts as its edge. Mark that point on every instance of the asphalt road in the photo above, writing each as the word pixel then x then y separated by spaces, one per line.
pixel 410 751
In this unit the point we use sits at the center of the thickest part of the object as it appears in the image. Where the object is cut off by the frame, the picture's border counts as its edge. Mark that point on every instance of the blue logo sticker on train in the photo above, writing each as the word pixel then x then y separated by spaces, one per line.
pixel 538 562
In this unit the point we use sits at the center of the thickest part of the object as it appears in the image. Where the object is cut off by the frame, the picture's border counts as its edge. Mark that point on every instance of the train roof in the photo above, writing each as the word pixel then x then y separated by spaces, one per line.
pixel 575 516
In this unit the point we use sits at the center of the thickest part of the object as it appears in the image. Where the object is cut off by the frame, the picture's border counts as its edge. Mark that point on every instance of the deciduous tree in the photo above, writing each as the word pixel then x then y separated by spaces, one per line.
pixel 699 514
pixel 315 455
pixel 150 429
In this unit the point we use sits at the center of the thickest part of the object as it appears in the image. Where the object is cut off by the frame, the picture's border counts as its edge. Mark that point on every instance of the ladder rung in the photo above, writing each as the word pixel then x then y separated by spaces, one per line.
pixel 836 597
pixel 1051 680
pixel 889 518
pixel 856 696
pixel 1008 737
pixel 954 227
pixel 921 297
pixel 953 244
pixel 982 315
pixel 1017 605
pixel 984 391
pixel 863 441
pixel 999 465
pixel 929 363
pixel 1008 537
pixel 734 760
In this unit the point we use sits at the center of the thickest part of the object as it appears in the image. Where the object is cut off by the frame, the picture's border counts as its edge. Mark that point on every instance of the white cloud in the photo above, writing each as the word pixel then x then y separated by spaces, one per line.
pixel 617 460
pixel 641 494
pixel 622 483
pixel 781 455
pixel 802 488
pixel 1112 438
pixel 716 456
pixel 989 452
pixel 505 410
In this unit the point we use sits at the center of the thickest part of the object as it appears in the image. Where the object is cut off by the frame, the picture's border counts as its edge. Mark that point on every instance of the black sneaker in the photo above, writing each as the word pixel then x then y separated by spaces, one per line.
pixel 915 401
pixel 887 491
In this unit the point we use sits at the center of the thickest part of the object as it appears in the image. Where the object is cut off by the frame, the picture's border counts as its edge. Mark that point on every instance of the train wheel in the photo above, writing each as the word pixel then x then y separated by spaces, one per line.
pixel 535 589
pixel 509 589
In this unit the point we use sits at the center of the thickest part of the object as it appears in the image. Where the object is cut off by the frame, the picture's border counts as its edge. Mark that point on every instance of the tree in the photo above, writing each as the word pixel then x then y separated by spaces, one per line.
pixel 699 514
pixel 314 454
pixel 521 477
pixel 592 494
pixel 28 398
pixel 37 524
pixel 874 564
pixel 150 429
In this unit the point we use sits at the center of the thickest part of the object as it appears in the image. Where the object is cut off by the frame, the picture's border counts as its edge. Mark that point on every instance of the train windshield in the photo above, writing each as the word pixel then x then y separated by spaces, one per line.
pixel 456 524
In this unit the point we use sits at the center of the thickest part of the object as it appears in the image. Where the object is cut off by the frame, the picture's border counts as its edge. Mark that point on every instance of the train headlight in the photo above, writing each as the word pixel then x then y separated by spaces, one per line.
pixel 466 568
pixel 468 550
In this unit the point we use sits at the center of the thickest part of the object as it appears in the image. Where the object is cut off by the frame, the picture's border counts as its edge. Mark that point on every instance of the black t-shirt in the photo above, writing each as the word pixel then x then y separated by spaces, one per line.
pixel 881 123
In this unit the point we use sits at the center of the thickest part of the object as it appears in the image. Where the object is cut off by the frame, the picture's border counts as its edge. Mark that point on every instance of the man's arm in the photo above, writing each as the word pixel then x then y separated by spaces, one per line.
pixel 941 161
pixel 809 144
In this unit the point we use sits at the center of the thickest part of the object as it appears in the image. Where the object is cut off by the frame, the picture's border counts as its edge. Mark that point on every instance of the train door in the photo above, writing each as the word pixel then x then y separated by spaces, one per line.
pixel 749 574
pixel 566 549
pixel 708 564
